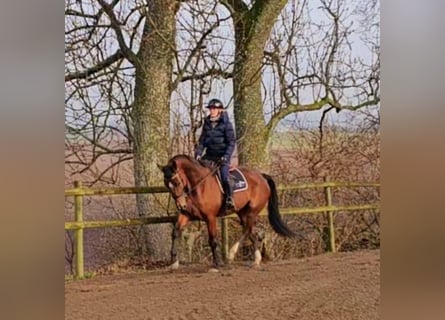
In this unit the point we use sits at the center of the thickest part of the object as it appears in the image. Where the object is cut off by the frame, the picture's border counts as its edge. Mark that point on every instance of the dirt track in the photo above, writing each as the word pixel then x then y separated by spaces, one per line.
pixel 331 286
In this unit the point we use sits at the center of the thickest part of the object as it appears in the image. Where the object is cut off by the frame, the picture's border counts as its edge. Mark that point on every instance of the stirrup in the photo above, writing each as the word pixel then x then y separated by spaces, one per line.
pixel 230 205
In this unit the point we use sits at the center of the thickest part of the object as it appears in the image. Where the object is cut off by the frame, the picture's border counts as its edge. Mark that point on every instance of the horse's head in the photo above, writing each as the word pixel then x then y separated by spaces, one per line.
pixel 175 181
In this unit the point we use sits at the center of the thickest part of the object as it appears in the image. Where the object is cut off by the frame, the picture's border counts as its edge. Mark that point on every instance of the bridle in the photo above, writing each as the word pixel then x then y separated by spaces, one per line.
pixel 186 191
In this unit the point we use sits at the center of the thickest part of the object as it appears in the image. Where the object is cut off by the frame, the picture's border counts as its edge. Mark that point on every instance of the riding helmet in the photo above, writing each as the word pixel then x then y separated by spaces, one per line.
pixel 215 103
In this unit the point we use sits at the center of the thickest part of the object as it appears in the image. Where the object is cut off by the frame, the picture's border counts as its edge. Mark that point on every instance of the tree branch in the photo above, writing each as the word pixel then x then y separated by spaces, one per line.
pixel 210 72
pixel 98 67
pixel 115 25
pixel 196 49
pixel 294 108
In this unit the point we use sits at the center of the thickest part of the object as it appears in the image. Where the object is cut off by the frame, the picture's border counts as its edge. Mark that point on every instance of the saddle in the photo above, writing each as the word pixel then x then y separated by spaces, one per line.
pixel 237 180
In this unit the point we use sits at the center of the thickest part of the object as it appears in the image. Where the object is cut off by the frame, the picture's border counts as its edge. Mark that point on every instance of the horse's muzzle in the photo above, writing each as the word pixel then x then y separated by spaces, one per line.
pixel 182 207
pixel 181 203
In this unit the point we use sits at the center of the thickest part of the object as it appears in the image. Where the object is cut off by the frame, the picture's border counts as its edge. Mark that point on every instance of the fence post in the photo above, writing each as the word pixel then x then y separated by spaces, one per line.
pixel 78 233
pixel 330 216
pixel 225 238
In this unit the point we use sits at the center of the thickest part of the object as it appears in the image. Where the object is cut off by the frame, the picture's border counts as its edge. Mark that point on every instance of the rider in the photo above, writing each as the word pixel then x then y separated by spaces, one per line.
pixel 218 138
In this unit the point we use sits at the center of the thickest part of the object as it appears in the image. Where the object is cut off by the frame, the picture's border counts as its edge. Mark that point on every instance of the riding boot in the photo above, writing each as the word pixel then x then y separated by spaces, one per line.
pixel 228 196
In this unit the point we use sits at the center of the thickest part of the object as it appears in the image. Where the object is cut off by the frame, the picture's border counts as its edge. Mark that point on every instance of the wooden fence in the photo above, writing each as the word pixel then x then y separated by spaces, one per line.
pixel 79 192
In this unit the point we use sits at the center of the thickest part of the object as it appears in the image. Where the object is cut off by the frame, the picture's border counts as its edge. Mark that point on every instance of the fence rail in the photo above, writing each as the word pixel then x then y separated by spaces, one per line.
pixel 78 192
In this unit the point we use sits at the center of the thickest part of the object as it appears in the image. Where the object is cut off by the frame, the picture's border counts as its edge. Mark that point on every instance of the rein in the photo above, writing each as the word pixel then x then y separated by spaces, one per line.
pixel 205 177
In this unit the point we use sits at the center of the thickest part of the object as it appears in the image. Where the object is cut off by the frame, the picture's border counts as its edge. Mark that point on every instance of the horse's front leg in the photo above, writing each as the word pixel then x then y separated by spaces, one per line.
pixel 212 231
pixel 176 235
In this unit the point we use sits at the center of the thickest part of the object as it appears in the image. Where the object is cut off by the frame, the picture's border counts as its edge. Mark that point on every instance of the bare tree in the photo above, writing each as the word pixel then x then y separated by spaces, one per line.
pixel 314 64
pixel 119 59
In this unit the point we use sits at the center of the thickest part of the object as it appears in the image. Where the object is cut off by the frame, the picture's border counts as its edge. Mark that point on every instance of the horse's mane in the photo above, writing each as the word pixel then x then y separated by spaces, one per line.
pixel 182 155
pixel 186 157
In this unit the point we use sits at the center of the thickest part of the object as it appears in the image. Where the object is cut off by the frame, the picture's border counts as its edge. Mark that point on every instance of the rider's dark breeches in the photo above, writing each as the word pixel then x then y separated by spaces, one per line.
pixel 224 172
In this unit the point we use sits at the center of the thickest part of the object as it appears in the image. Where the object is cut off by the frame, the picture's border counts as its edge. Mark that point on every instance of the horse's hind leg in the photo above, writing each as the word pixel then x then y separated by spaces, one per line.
pixel 248 232
pixel 243 215
pixel 253 237
pixel 176 234
pixel 234 249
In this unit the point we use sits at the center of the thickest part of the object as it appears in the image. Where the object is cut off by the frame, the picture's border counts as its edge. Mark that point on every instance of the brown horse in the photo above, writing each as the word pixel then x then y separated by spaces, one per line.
pixel 197 195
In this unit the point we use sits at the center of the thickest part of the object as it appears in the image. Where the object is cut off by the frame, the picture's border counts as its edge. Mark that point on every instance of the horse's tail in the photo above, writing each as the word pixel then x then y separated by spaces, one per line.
pixel 275 220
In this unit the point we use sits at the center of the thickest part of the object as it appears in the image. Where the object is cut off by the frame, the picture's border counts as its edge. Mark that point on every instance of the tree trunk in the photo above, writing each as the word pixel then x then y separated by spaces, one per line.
pixel 248 110
pixel 151 117
pixel 252 30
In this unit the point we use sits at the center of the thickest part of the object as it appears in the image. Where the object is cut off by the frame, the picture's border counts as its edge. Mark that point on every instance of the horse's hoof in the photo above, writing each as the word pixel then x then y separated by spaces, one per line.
pixel 174 265
pixel 233 251
pixel 213 270
pixel 258 257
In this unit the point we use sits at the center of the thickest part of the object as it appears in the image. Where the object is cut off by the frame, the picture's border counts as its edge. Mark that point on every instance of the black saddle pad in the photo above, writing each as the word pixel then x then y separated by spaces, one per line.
pixel 236 179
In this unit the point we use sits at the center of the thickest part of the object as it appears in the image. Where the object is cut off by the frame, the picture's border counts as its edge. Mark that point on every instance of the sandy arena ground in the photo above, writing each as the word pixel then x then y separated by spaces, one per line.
pixel 330 286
